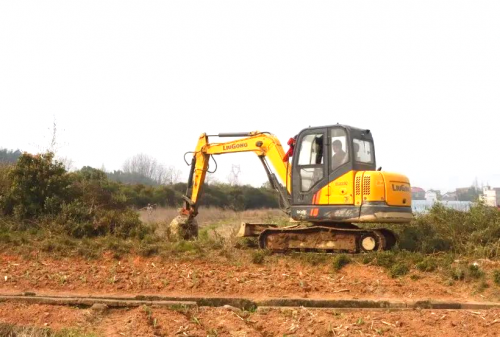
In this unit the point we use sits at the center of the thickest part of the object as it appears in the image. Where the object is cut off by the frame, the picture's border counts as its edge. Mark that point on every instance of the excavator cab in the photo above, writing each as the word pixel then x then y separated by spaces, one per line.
pixel 334 179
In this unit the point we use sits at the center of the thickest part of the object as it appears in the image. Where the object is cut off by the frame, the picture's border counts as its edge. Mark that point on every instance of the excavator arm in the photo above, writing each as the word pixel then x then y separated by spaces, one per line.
pixel 266 146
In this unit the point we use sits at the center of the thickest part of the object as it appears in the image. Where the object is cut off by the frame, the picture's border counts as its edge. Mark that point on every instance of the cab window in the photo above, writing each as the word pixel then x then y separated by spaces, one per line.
pixel 362 151
pixel 340 152
pixel 311 156
pixel 311 150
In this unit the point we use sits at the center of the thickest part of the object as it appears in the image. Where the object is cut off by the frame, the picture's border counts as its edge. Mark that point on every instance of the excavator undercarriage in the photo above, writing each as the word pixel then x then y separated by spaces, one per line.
pixel 331 238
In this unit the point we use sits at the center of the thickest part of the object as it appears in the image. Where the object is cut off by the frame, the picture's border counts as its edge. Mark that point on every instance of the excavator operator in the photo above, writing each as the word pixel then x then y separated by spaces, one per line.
pixel 339 157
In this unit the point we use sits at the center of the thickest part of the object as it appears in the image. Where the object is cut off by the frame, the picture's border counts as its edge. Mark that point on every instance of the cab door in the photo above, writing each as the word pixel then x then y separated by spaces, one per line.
pixel 340 169
pixel 310 168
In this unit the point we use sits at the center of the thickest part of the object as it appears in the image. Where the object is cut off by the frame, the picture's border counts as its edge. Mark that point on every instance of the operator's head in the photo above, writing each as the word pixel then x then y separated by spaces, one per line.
pixel 337 145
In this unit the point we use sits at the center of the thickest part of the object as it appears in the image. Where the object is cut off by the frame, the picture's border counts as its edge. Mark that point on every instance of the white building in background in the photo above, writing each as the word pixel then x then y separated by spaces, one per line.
pixel 491 196
pixel 431 196
pixel 423 206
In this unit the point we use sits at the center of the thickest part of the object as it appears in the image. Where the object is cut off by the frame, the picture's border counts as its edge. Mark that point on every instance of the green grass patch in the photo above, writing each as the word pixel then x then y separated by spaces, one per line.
pixel 475 272
pixel 496 277
pixel 259 256
pixel 428 264
pixel 311 258
pixel 340 261
pixel 399 269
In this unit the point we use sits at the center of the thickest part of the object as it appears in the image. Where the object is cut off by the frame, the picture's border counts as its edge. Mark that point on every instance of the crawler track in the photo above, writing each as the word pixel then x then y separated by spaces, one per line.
pixel 327 239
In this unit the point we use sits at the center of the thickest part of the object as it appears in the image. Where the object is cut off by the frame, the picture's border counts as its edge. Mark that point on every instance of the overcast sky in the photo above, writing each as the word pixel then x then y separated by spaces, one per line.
pixel 124 77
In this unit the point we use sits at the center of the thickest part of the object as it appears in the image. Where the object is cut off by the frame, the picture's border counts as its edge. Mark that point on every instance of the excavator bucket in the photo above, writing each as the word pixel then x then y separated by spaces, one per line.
pixel 184 227
pixel 253 229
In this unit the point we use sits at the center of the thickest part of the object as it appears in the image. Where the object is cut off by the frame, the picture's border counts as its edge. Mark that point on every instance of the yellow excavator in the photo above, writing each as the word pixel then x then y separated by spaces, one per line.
pixel 328 183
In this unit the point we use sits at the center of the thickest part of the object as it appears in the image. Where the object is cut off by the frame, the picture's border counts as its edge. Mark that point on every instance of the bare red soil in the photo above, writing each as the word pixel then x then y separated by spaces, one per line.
pixel 282 277
pixel 271 322
pixel 221 277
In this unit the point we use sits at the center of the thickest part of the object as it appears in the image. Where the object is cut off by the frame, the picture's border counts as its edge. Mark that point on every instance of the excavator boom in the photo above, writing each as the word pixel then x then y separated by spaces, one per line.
pixel 264 145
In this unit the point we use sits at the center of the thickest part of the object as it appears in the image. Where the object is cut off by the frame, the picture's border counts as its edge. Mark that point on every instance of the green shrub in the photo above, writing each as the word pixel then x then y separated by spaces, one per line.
pixel 457 273
pixel 149 249
pixel 313 259
pixel 474 271
pixel 427 265
pixel 385 259
pixel 482 286
pixel 38 185
pixel 473 233
pixel 341 260
pixel 368 258
pixel 259 256
pixel 496 277
pixel 399 269
pixel 41 194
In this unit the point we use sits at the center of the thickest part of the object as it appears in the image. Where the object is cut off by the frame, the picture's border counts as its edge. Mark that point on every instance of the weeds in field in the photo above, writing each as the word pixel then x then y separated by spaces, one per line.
pixel 153 322
pixel 259 256
pixel 340 261
pixel 427 265
pixel 475 272
pixel 399 269
pixel 496 277
pixel 313 259
pixel 475 233
pixel 415 277
pixel 10 330
pixel 482 286
pixel 212 333
pixel 385 259
pixel 196 320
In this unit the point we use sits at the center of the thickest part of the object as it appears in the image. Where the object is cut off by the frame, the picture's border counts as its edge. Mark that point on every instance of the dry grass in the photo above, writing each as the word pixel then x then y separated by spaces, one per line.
pixel 211 216
pixel 219 224
pixel 9 330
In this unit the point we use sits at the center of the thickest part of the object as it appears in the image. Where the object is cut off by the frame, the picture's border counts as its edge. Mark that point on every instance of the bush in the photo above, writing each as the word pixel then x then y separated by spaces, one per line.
pixel 38 186
pixel 385 259
pixel 81 204
pixel 399 269
pixel 313 259
pixel 463 272
pixel 427 265
pixel 457 273
pixel 496 277
pixel 475 272
pixel 341 260
pixel 473 233
pixel 259 256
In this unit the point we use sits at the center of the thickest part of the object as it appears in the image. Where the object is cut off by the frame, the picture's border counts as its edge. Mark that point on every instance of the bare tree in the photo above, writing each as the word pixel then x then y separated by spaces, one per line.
pixel 149 167
pixel 143 164
pixel 173 174
pixel 67 162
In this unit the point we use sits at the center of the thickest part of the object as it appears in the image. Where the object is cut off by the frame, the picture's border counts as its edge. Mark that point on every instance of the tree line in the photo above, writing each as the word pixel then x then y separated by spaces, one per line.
pixel 38 185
